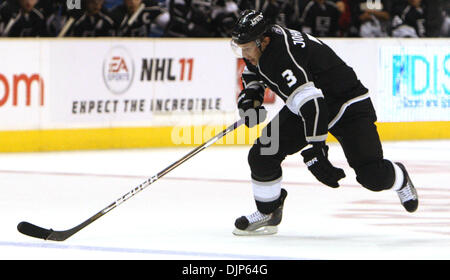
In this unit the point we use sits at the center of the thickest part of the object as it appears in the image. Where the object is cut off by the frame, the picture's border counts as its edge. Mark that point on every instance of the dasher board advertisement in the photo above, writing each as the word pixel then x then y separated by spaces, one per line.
pixel 52 84
pixel 415 83
pixel 140 83
pixel 24 82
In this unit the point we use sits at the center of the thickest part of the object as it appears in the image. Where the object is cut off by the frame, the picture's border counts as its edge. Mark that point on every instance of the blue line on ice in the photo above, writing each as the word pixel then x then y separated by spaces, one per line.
pixel 49 245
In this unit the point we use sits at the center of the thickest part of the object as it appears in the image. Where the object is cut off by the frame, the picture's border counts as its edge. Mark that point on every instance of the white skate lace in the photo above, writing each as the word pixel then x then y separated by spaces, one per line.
pixel 407 193
pixel 257 217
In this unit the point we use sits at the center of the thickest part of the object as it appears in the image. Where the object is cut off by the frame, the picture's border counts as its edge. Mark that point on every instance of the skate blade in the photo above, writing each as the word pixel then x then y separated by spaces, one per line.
pixel 267 230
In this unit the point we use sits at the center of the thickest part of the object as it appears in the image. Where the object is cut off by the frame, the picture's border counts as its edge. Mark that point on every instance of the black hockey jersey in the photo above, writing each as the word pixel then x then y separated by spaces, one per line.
pixel 300 68
pixel 141 24
pixel 97 25
pixel 57 14
pixel 409 16
pixel 15 22
pixel 321 19
pixel 190 18
pixel 271 9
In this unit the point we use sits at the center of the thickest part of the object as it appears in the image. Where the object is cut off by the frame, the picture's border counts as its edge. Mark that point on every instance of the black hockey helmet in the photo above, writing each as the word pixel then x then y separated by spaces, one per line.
pixel 250 26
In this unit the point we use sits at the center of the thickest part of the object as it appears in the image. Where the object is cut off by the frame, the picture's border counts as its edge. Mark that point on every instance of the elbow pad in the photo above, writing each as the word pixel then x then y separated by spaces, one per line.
pixel 308 102
pixel 315 119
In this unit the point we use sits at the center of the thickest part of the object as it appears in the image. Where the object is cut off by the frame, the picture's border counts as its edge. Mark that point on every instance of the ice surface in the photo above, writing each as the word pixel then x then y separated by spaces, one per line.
pixel 189 214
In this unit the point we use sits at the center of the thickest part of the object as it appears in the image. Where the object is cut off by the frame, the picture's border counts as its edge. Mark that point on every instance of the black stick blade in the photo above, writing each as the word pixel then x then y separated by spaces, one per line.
pixel 34 231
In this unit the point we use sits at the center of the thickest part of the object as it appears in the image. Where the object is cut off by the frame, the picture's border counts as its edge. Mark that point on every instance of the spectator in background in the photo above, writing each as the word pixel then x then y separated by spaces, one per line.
pixel 434 16
pixel 445 28
pixel 5 14
pixel 57 15
pixel 21 18
pixel 370 18
pixel 346 17
pixel 190 18
pixel 93 22
pixel 409 20
pixel 111 4
pixel 274 11
pixel 224 15
pixel 292 12
pixel 321 18
pixel 200 18
pixel 140 18
pixel 295 9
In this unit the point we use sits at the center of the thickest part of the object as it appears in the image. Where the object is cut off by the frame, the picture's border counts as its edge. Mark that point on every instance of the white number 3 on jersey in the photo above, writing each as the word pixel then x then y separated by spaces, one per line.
pixel 289 76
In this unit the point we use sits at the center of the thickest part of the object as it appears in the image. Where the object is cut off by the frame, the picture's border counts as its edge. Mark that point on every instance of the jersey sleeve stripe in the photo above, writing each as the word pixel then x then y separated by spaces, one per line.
pixel 344 106
pixel 301 95
pixel 255 84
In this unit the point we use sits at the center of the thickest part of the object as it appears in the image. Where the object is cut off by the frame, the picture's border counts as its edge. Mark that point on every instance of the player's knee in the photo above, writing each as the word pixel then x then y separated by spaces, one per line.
pixel 253 156
pixel 263 167
pixel 376 176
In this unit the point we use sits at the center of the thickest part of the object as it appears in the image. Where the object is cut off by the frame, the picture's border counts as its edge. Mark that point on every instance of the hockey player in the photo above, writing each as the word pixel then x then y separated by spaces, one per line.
pixel 21 18
pixel 409 20
pixel 190 18
pixel 94 22
pixel 321 18
pixel 322 94
pixel 370 19
pixel 139 18
pixel 57 15
pixel 224 14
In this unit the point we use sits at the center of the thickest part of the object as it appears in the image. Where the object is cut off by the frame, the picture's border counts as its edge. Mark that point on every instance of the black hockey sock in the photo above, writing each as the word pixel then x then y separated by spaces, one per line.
pixel 267 207
pixel 270 206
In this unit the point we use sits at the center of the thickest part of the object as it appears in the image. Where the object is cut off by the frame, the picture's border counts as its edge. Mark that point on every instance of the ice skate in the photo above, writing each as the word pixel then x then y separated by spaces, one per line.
pixel 259 223
pixel 407 193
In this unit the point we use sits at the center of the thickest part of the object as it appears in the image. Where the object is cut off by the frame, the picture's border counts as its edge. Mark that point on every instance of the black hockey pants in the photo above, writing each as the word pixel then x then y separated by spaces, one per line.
pixel 355 131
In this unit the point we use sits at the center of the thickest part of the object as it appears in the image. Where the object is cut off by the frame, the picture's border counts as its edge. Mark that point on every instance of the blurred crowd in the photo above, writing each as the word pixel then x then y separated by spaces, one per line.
pixel 215 18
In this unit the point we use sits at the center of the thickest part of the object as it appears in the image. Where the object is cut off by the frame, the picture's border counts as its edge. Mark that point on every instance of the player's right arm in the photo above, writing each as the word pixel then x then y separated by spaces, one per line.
pixel 253 85
pixel 251 98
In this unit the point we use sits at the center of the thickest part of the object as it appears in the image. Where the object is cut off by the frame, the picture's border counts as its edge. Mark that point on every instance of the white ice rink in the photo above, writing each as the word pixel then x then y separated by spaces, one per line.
pixel 189 214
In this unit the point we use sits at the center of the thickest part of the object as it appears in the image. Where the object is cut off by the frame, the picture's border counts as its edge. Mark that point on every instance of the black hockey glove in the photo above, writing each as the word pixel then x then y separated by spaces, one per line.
pixel 249 105
pixel 316 158
pixel 250 98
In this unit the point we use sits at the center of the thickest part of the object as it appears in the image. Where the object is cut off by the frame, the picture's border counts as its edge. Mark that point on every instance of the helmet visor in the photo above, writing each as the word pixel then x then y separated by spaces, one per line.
pixel 236 49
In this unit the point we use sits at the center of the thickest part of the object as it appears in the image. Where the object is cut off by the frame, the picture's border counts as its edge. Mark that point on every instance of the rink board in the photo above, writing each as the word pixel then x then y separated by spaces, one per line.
pixel 132 93
pixel 143 137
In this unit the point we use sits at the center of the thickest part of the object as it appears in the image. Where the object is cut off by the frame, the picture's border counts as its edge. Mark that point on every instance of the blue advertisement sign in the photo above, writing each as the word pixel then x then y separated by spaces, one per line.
pixel 415 83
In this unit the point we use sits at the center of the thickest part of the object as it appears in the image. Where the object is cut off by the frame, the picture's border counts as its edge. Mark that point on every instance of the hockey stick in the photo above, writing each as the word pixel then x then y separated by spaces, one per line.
pixel 50 234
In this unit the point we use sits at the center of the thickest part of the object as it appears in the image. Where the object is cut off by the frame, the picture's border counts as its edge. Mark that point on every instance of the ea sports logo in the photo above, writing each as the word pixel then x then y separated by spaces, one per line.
pixel 118 70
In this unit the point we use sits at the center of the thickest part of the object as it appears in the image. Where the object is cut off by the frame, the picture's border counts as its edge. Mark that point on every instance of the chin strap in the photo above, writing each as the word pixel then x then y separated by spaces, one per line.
pixel 258 44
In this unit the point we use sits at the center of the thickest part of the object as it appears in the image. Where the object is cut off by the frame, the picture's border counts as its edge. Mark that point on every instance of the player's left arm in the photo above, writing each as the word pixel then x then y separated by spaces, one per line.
pixel 307 101
pixel 312 108
pixel 303 97
pixel 314 113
